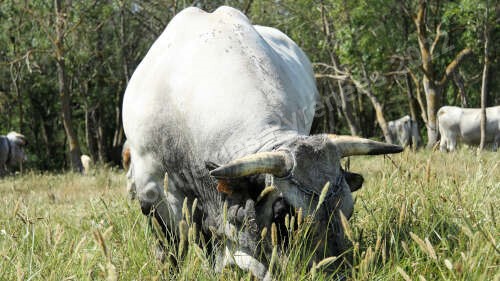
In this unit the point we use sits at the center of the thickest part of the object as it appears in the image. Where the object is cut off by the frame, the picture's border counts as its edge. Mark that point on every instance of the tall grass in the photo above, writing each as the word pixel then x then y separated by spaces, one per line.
pixel 419 216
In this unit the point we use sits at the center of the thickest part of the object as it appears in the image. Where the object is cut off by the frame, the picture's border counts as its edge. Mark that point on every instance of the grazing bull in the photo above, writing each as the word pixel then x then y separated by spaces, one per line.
pixel 86 163
pixel 404 131
pixel 224 108
pixel 456 123
pixel 11 151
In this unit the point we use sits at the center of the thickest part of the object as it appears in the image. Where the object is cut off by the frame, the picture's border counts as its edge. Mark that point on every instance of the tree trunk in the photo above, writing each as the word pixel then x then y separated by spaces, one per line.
pixel 347 110
pixel 101 145
pixel 461 88
pixel 432 86
pixel 415 134
pixel 74 146
pixel 119 134
pixel 15 86
pixel 90 132
pixel 484 86
pixel 345 100
pixel 432 96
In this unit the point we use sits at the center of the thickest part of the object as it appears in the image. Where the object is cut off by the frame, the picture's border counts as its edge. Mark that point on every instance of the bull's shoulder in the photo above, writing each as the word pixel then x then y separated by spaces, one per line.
pixel 447 109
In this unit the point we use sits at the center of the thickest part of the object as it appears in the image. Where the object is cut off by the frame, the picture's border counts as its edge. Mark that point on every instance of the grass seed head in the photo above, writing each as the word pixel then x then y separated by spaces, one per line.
pixel 299 217
pixel 274 234
pixel 185 210
pixel 346 227
pixel 430 249
pixel 448 264
pixel 403 274
pixel 165 182
pixel 322 196
pixel 263 233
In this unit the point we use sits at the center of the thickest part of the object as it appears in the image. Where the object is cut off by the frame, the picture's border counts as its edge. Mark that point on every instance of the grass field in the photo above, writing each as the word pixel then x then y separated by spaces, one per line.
pixel 423 216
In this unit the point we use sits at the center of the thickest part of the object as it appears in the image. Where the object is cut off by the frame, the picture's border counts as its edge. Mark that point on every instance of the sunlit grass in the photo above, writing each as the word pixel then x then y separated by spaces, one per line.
pixel 423 216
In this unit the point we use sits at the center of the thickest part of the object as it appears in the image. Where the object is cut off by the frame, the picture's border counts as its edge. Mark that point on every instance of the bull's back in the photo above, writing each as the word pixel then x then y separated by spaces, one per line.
pixel 211 79
pixel 464 123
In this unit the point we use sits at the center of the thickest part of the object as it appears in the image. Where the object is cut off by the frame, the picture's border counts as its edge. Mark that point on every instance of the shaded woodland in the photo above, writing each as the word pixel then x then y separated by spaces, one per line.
pixel 64 65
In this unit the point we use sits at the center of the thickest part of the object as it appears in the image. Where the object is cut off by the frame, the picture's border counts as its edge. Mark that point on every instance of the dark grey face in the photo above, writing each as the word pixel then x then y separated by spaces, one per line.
pixel 317 162
pixel 298 171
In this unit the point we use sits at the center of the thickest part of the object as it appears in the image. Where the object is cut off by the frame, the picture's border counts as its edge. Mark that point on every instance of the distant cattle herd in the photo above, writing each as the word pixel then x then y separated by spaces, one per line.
pixel 456 125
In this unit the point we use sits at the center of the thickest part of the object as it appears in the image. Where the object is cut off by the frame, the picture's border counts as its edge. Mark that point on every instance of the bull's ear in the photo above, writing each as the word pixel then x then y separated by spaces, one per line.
pixel 211 165
pixel 355 181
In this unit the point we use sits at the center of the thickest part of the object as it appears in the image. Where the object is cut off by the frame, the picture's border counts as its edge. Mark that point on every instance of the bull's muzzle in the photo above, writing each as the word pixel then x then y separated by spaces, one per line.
pixel 148 196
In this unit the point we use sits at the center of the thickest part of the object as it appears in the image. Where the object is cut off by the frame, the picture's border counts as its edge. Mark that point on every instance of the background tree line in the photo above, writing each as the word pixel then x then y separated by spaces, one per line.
pixel 64 65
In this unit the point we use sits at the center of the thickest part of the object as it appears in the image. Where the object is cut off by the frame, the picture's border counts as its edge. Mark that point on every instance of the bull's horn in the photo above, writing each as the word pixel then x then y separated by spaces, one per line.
pixel 349 145
pixel 278 163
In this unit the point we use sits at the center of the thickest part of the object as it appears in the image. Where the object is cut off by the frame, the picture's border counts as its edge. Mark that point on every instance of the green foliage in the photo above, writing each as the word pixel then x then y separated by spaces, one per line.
pixel 106 40
pixel 429 215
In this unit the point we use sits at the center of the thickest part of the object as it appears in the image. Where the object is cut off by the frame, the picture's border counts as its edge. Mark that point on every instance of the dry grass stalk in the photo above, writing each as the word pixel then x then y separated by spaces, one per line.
pixel 428 170
pixel 346 227
pixel 448 264
pixel 112 275
pixel 183 233
pixel 299 217
pixel 16 207
pixel 165 182
pixel 313 271
pixel 402 213
pixel 194 206
pixel 79 245
pixel 192 233
pixel 405 247
pixel 185 210
pixel 322 196
pixel 419 241
pixel 378 242
pixel 100 240
pixel 326 262
pixel 430 249
pixel 263 234
pixel 274 259
pixel 274 234
pixel 19 271
pixel 403 274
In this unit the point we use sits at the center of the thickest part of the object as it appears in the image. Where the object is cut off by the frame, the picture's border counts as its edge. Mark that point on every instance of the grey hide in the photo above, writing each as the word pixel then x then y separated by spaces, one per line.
pixel 216 94
pixel 404 131
pixel 458 124
pixel 11 151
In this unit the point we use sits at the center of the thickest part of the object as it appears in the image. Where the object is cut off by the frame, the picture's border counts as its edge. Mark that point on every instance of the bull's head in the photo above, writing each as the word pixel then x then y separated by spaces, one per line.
pixel 17 144
pixel 299 171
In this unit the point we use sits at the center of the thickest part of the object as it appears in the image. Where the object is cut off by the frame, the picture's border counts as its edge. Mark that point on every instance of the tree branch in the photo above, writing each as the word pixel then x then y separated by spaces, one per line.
pixel 454 64
pixel 436 39
pixel 332 76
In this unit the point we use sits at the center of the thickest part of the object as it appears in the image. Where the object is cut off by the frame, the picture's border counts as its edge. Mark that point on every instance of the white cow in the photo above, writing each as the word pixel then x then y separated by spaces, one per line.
pixel 11 151
pixel 404 131
pixel 463 124
pixel 86 163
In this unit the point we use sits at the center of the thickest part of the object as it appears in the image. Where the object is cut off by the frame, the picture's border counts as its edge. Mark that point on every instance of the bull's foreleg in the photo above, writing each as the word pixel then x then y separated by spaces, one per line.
pixel 496 142
pixel 443 144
